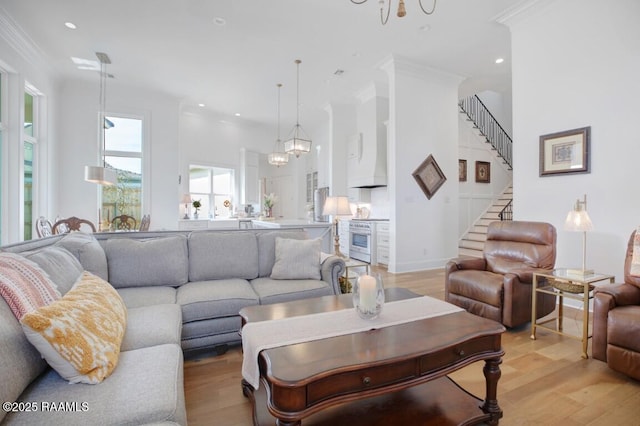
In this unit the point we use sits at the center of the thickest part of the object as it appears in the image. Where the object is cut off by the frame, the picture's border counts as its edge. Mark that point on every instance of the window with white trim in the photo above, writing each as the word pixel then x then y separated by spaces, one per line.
pixel 123 142
pixel 213 187
pixel 30 140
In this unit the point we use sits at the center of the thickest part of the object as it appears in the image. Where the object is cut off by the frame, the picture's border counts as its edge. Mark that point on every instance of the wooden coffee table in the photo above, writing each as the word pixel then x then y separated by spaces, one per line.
pixel 392 375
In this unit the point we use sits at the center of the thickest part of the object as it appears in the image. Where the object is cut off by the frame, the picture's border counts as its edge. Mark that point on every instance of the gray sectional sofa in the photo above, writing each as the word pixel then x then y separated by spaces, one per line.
pixel 183 291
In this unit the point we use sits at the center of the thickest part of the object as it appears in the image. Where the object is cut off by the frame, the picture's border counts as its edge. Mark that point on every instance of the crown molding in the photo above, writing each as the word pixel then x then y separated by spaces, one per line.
pixel 521 12
pixel 398 64
pixel 19 40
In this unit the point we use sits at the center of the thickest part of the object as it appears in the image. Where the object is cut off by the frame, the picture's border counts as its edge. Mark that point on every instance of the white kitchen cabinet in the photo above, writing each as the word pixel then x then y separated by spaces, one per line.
pixel 250 191
pixel 343 233
pixel 192 224
pixel 382 243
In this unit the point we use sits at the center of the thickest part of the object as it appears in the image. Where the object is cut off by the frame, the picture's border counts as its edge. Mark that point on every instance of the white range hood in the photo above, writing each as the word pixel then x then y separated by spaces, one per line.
pixel 367 151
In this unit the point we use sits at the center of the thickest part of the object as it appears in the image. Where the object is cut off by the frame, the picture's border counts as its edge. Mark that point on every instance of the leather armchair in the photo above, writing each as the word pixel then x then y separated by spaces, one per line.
pixel 616 321
pixel 498 285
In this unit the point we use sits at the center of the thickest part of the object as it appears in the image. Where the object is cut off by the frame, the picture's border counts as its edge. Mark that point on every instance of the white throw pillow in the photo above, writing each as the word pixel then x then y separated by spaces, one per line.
pixel 297 259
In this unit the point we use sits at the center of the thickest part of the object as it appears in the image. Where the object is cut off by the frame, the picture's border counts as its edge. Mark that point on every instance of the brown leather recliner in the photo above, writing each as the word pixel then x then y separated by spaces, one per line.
pixel 498 286
pixel 616 321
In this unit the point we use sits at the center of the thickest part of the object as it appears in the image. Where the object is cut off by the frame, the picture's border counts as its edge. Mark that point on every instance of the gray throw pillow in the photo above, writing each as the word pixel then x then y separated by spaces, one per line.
pixel 297 259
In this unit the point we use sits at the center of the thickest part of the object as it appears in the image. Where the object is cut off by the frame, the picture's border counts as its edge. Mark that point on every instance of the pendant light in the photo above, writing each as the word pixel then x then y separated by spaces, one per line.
pixel 298 142
pixel 402 11
pixel 278 157
pixel 102 175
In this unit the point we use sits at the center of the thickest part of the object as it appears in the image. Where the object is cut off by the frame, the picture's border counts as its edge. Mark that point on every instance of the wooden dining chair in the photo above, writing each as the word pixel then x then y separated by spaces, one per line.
pixel 124 223
pixel 145 222
pixel 64 226
pixel 43 227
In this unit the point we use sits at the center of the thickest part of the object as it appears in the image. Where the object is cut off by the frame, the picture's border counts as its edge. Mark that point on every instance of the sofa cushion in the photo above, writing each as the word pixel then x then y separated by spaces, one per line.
pixel 220 255
pixel 276 291
pixel 150 262
pixel 24 285
pixel 80 334
pixel 211 327
pixel 88 251
pixel 222 339
pixel 151 326
pixel 63 268
pixel 147 387
pixel 214 299
pixel 297 259
pixel 267 247
pixel 135 297
pixel 21 362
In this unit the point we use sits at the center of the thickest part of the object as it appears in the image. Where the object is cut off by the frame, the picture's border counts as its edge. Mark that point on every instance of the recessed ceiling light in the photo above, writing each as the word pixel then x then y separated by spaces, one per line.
pixel 424 27
pixel 237 114
pixel 219 21
pixel 70 25
pixel 201 105
pixel 499 60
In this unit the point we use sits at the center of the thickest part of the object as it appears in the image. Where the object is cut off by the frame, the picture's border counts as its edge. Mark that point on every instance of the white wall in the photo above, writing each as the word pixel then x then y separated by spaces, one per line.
pixel 422 121
pixel 576 63
pixel 24 64
pixel 79 146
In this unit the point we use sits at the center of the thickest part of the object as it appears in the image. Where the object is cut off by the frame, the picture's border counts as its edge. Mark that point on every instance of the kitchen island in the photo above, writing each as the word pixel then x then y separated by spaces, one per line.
pixel 313 229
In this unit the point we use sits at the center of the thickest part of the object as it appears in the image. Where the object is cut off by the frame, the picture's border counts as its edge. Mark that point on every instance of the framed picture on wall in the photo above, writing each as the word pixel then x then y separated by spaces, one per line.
pixel 483 172
pixel 462 170
pixel 565 152
pixel 429 176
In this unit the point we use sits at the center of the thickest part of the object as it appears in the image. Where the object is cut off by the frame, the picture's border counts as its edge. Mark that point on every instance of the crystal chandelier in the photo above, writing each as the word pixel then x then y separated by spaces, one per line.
pixel 298 142
pixel 278 157
pixel 401 9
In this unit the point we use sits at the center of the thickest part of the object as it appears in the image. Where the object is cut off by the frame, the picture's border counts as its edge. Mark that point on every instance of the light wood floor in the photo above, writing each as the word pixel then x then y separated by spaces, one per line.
pixel 544 381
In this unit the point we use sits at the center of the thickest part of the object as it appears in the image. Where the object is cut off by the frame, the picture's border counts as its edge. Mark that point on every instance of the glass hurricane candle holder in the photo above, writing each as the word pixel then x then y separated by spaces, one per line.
pixel 368 296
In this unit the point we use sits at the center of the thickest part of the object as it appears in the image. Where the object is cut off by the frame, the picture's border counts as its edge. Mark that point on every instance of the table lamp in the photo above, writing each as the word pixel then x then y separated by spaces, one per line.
pixel 337 206
pixel 186 199
pixel 578 221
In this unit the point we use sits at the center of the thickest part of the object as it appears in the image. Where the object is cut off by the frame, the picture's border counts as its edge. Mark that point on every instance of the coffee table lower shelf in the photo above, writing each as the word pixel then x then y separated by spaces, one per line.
pixel 438 402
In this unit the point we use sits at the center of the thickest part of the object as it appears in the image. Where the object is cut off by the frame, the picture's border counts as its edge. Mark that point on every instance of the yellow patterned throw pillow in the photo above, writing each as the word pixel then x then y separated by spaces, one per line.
pixel 80 334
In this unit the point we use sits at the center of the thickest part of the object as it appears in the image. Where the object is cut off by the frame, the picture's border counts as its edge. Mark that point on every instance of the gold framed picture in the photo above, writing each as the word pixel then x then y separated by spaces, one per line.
pixel 462 170
pixel 483 172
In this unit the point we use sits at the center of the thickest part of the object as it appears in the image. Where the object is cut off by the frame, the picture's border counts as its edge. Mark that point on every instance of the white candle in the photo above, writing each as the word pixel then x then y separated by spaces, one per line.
pixel 367 293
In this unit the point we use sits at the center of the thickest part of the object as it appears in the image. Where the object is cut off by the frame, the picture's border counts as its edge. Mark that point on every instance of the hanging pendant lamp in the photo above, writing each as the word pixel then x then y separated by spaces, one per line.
pixel 278 157
pixel 298 142
pixel 102 175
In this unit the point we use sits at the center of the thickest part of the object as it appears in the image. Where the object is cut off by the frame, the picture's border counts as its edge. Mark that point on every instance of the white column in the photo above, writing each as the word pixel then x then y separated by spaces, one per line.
pixel 423 120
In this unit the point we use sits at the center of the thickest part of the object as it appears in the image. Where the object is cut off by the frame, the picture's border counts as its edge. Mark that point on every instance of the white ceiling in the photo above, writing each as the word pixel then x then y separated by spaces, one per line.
pixel 175 47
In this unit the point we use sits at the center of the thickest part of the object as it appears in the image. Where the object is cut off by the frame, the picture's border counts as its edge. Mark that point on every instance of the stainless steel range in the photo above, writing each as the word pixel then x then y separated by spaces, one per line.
pixel 360 240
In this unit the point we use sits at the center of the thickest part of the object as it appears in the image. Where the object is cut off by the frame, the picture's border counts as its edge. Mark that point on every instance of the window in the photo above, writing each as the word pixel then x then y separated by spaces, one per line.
pixel 213 187
pixel 123 152
pixel 30 139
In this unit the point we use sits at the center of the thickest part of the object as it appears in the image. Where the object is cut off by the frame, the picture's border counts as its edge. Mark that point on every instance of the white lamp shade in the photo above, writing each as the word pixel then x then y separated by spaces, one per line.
pixel 579 221
pixel 186 199
pixel 336 206
pixel 100 175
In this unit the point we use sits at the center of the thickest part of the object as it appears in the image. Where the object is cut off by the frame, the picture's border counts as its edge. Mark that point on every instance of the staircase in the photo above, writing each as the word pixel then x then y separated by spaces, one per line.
pixel 488 127
pixel 472 243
